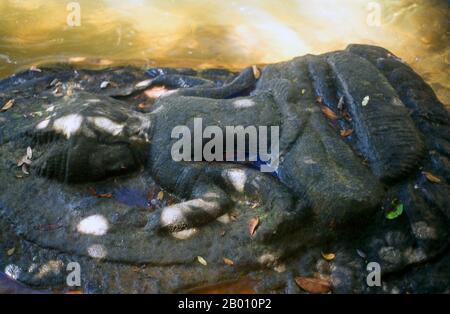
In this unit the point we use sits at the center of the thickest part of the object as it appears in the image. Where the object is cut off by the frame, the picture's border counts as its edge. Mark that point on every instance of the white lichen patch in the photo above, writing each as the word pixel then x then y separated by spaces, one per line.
pixel 243 103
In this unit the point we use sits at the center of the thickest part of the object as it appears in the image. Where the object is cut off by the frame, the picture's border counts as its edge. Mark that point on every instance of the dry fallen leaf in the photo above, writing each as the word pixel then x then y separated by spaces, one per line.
pixel 365 101
pixel 201 260
pixel 313 285
pixel 99 195
pixel 345 133
pixel 328 256
pixel 256 72
pixel 329 113
pixel 431 177
pixel 253 225
pixel 141 105
pixel 346 116
pixel 228 261
pixel 160 196
pixel 8 105
pixel 319 99
pixel 10 251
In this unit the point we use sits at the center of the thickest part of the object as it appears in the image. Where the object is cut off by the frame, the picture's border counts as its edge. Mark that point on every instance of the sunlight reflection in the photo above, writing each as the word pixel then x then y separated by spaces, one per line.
pixel 68 125
pixel 184 234
pixel 107 125
pixel 94 225
pixel 237 178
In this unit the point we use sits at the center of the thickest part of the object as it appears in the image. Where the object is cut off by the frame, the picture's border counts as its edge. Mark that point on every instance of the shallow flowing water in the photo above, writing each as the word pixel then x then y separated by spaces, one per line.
pixel 231 34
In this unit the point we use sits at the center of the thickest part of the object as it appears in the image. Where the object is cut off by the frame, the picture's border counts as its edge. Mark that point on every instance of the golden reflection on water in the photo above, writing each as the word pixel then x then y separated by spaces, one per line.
pixel 231 34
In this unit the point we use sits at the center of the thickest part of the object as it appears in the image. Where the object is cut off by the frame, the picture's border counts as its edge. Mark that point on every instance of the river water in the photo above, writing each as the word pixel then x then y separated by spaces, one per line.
pixel 230 34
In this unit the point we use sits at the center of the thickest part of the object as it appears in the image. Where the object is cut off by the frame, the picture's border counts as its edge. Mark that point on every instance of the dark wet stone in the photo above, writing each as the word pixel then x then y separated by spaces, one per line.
pixel 88 136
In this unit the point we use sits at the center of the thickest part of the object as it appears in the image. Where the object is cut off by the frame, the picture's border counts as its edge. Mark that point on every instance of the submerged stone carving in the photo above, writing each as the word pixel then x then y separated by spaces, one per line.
pixel 328 188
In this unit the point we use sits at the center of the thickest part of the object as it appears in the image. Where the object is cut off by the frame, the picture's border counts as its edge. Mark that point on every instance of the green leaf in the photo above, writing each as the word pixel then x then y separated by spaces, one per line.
pixel 396 212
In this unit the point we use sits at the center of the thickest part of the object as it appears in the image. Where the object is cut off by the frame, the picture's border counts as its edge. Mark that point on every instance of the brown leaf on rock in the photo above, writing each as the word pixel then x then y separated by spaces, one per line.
pixel 346 116
pixel 313 285
pixel 99 195
pixel 346 133
pixel 160 196
pixel 8 105
pixel 431 177
pixel 253 225
pixel 228 261
pixel 329 113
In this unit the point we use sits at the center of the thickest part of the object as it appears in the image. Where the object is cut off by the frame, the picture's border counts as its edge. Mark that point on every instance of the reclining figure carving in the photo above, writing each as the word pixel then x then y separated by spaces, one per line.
pixel 321 176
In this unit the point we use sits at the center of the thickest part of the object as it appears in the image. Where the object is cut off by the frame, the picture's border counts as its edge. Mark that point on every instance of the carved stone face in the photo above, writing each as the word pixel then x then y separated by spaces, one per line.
pixel 90 138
